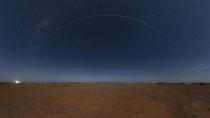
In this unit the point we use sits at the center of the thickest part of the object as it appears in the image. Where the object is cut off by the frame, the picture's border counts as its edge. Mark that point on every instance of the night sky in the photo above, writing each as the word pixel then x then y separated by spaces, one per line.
pixel 105 40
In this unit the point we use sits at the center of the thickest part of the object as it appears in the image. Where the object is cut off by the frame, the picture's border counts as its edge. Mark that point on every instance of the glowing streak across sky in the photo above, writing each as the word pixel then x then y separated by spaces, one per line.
pixel 156 29
pixel 113 15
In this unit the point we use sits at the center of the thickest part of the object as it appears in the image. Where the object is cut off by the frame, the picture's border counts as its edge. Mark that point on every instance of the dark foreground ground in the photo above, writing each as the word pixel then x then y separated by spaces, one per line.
pixel 104 100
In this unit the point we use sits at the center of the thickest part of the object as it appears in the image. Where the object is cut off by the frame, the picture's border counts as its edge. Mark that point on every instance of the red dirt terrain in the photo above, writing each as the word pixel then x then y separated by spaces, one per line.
pixel 104 100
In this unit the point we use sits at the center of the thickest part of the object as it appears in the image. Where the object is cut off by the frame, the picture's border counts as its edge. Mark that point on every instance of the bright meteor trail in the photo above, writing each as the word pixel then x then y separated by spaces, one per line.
pixel 112 15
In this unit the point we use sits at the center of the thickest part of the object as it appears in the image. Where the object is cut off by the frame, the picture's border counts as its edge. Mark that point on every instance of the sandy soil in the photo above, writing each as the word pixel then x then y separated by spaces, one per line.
pixel 104 100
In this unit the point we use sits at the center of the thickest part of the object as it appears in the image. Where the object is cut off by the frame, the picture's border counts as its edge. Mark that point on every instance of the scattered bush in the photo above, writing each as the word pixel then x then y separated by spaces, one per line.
pixel 200 83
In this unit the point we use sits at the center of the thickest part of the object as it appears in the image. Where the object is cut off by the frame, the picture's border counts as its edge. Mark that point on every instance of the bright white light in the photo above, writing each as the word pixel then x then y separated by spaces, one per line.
pixel 17 82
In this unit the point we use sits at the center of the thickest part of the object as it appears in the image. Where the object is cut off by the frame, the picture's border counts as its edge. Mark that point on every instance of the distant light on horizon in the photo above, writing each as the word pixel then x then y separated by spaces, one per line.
pixel 17 82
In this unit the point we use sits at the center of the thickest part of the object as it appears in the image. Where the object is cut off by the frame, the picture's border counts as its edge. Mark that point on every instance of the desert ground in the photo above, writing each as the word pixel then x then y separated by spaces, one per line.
pixel 104 100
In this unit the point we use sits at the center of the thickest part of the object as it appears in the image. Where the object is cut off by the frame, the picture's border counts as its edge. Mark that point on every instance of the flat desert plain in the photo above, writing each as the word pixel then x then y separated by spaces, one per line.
pixel 104 100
